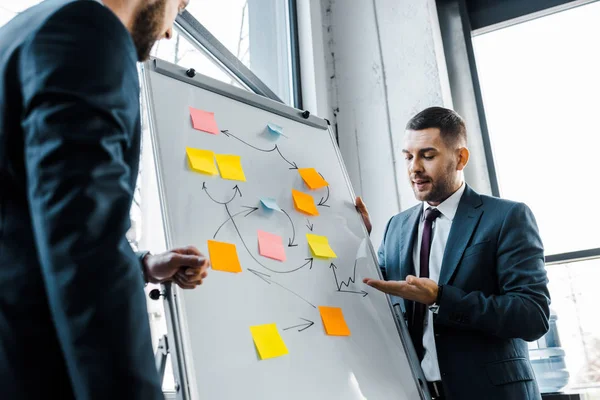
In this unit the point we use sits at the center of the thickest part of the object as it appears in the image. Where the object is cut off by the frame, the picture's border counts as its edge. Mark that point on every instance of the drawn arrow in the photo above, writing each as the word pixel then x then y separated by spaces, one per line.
pixel 351 279
pixel 293 239
pixel 350 291
pixel 267 278
pixel 236 191
pixel 323 203
pixel 310 226
pixel 252 209
pixel 306 326
pixel 309 260
pixel 275 148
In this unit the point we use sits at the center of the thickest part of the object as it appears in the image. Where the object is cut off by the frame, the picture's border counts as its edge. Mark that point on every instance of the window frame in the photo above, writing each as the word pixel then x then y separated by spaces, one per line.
pixel 206 42
pixel 456 21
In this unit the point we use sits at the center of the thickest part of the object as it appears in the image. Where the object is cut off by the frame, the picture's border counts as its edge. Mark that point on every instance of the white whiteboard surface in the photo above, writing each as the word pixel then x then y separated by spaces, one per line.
pixel 218 349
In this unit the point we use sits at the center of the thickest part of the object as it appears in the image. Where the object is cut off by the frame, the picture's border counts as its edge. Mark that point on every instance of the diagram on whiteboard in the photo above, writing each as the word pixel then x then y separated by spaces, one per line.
pixel 305 205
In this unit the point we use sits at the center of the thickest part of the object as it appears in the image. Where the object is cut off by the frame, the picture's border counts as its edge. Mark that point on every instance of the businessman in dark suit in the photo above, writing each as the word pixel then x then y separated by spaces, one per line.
pixel 73 318
pixel 467 270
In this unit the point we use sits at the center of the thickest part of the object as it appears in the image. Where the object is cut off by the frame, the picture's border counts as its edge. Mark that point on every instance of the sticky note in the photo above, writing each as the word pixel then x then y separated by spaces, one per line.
pixel 271 246
pixel 333 320
pixel 319 246
pixel 268 342
pixel 230 167
pixel 275 129
pixel 204 121
pixel 304 203
pixel 312 178
pixel 202 160
pixel 223 256
pixel 270 203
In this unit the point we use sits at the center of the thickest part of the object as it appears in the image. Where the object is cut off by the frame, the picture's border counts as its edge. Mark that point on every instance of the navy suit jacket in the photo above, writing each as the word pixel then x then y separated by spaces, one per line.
pixel 494 295
pixel 73 318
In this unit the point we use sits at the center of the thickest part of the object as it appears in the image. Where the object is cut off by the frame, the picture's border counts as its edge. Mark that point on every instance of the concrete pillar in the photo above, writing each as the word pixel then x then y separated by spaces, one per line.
pixel 385 62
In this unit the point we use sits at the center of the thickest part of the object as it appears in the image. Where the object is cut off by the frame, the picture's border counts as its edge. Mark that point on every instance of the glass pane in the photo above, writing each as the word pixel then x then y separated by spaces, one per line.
pixel 540 86
pixel 179 50
pixel 575 298
pixel 257 32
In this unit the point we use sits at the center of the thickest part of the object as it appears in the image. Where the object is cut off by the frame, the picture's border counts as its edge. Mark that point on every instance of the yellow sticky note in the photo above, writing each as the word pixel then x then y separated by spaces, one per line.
pixel 304 203
pixel 223 256
pixel 202 160
pixel 230 167
pixel 312 178
pixel 319 246
pixel 333 320
pixel 268 342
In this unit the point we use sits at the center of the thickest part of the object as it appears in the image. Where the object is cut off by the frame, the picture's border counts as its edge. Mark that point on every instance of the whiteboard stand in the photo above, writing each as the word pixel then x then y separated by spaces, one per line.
pixel 208 326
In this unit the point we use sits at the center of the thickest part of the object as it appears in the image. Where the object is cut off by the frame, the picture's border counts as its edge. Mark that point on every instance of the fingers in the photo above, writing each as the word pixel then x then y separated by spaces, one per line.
pixel 360 206
pixel 189 278
pixel 190 250
pixel 383 286
pixel 193 272
pixel 185 260
pixel 182 283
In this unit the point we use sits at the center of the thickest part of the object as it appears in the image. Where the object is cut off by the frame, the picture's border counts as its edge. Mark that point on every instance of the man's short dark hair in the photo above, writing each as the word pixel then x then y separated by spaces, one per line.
pixel 451 125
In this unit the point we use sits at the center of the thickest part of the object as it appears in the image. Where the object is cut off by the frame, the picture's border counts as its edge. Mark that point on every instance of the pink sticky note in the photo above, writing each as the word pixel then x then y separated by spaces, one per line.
pixel 271 246
pixel 204 121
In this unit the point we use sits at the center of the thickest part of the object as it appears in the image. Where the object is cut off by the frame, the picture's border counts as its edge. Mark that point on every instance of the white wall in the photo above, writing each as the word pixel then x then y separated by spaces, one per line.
pixel 384 62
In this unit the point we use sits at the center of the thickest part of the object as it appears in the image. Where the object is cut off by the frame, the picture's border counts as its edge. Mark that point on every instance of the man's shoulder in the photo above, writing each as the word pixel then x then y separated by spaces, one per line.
pixel 403 215
pixel 499 204
pixel 34 18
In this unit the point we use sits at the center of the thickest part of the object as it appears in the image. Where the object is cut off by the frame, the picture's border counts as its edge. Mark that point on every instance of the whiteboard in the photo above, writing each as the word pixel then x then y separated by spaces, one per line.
pixel 210 336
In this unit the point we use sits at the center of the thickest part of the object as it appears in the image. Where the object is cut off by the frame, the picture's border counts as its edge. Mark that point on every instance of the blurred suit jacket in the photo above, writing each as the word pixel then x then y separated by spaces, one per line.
pixel 73 319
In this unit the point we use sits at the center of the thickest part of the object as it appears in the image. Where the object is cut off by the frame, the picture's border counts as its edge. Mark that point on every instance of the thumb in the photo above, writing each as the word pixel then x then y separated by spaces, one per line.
pixel 186 260
pixel 414 281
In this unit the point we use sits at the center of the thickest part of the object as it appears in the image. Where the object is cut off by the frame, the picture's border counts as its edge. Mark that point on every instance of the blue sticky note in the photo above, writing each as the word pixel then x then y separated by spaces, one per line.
pixel 275 129
pixel 270 203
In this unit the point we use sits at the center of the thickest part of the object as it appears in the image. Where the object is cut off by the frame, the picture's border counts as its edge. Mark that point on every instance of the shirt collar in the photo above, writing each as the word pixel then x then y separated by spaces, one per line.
pixel 449 206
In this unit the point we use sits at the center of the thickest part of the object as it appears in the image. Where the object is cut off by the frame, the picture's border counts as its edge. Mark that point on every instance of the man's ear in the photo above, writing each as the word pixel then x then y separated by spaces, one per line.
pixel 463 158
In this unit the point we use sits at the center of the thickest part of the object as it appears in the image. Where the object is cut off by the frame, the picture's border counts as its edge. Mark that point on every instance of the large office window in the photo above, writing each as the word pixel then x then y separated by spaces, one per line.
pixel 257 32
pixel 540 81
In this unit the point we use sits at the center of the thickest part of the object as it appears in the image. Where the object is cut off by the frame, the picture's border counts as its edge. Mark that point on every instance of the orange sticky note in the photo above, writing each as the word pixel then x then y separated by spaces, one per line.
pixel 304 203
pixel 223 256
pixel 312 178
pixel 271 246
pixel 204 121
pixel 333 320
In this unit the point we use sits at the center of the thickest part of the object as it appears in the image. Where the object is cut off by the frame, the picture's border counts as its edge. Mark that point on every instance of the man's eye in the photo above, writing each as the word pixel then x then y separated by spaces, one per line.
pixel 428 157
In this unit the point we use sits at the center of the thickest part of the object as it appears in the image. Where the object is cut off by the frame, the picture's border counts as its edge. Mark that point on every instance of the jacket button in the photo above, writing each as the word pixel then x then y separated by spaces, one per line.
pixel 444 374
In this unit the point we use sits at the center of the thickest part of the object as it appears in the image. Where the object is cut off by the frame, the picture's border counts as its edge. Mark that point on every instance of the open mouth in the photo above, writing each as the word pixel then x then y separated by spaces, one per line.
pixel 421 184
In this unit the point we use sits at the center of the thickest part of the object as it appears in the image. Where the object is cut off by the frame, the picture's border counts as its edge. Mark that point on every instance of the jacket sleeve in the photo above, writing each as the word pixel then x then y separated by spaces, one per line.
pixel 521 308
pixel 77 126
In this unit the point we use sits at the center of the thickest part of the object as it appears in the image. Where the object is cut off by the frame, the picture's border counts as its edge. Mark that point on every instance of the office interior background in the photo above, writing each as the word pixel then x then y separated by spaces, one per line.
pixel 523 73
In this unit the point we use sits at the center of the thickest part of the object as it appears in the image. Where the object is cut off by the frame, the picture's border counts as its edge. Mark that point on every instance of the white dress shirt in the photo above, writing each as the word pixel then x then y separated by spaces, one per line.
pixel 440 231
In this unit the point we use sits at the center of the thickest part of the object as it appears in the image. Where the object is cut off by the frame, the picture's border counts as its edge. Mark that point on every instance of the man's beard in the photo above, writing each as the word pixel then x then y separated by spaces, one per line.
pixel 146 27
pixel 440 189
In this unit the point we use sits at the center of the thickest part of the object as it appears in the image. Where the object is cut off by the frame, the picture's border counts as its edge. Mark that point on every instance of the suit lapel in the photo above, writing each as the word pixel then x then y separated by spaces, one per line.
pixel 411 225
pixel 465 221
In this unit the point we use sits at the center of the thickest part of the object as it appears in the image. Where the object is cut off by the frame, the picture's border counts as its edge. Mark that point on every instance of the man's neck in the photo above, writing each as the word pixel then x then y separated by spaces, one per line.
pixel 125 10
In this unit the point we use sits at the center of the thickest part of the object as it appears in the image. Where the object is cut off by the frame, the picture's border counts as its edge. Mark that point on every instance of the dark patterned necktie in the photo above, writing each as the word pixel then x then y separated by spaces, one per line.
pixel 416 331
